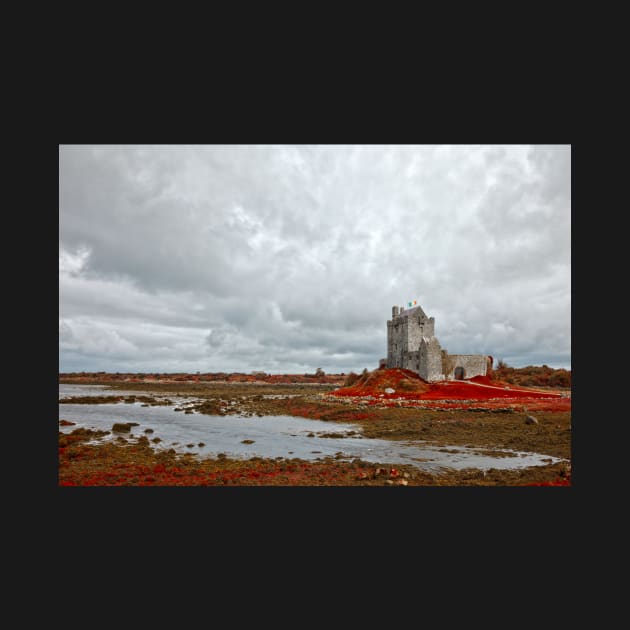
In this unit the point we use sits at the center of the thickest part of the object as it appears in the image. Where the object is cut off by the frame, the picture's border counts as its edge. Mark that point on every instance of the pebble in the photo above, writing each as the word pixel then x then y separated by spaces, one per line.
pixel 531 420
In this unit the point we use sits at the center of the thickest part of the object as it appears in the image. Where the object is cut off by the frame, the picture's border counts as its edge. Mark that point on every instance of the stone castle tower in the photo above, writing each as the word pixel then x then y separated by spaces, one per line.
pixel 411 344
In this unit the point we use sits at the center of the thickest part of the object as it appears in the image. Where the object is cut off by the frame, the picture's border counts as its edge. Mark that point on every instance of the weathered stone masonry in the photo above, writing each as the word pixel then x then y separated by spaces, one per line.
pixel 411 344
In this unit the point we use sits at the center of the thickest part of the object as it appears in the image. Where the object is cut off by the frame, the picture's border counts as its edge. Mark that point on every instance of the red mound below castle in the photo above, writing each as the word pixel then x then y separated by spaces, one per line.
pixel 397 386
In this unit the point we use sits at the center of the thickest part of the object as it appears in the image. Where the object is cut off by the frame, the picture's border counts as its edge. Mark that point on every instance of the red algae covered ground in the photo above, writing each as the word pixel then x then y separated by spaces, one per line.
pixel 409 388
pixel 129 462
pixel 376 382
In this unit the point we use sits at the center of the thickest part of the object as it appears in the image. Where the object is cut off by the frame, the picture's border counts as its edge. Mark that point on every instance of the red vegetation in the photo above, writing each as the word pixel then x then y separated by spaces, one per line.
pixel 410 389
pixel 376 382
pixel 408 384
pixel 558 482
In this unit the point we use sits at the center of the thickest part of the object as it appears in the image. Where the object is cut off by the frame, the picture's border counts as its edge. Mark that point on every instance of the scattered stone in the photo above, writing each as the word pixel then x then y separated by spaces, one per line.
pixel 311 435
pixel 122 427
pixel 201 444
pixel 531 420
pixel 189 445
pixel 247 441
pixel 148 430
pixel 389 482
pixel 66 423
pixel 155 440
pixel 403 482
pixel 389 390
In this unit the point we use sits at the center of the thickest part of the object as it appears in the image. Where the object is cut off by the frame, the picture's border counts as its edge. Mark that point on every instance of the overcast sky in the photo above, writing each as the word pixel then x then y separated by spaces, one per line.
pixel 289 258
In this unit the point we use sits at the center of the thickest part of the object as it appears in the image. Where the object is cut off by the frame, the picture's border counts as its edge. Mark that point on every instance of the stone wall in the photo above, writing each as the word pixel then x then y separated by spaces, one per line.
pixel 430 359
pixel 473 364
pixel 419 327
pixel 411 361
pixel 397 341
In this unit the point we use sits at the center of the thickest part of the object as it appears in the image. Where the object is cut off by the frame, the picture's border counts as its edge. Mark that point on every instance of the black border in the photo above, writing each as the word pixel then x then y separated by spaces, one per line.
pixel 428 519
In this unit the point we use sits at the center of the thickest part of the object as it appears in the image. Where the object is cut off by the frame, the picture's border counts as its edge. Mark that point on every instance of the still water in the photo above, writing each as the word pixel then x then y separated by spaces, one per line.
pixel 273 436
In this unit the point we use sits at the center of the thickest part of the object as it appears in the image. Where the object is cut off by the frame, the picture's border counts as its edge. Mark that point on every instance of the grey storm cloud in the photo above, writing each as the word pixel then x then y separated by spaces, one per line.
pixel 288 258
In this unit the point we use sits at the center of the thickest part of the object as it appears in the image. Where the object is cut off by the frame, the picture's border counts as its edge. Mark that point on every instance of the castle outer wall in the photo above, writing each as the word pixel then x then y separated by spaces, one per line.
pixel 471 364
pixel 411 344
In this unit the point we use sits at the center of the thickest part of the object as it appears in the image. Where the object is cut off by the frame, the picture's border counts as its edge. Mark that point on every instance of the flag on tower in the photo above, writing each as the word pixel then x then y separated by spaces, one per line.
pixel 412 303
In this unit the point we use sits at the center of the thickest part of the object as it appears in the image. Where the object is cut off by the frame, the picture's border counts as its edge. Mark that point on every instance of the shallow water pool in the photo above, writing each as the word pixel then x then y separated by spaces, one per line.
pixel 273 436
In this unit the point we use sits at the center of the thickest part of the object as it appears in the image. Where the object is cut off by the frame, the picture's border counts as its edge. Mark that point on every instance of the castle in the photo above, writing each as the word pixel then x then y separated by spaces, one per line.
pixel 411 344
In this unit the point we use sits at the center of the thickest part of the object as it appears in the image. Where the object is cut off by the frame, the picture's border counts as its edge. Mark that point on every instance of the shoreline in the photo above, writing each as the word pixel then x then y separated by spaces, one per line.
pixel 472 423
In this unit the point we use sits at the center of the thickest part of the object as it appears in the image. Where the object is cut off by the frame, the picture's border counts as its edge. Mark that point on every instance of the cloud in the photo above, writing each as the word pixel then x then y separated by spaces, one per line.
pixel 285 258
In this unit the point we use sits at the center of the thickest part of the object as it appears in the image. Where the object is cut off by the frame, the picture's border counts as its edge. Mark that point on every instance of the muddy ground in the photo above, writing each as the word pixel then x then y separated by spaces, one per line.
pixel 133 461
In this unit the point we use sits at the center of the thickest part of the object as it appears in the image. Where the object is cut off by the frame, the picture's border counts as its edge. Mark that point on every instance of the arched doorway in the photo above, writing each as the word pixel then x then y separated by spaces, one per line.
pixel 459 373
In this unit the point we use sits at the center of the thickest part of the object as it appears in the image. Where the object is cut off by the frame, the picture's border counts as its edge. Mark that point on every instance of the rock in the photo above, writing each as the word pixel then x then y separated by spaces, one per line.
pixel 389 482
pixel 389 390
pixel 121 427
pixel 531 420
pixel 148 430
pixel 247 441
pixel 403 482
